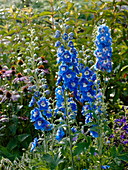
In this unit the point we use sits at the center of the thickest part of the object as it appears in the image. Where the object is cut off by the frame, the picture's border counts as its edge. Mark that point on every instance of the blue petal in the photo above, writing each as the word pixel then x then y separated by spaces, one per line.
pixel 94 134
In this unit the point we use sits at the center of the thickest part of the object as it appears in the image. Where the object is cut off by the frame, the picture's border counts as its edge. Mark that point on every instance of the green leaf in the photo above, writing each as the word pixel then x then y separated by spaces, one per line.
pixel 123 157
pixel 22 137
pixel 12 144
pixel 79 148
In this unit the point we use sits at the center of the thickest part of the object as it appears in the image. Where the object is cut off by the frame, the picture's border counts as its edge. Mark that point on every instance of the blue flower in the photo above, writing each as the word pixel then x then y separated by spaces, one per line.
pixel 66 57
pixel 85 85
pixel 105 167
pixel 60 134
pixel 69 76
pixel 37 94
pixel 42 124
pixel 70 44
pixel 62 69
pixel 71 35
pixel 43 103
pixel 57 44
pixel 57 34
pixel 72 85
pixel 86 72
pixel 32 102
pixel 65 36
pixel 60 51
pixel 47 113
pixel 35 114
pixel 103 29
pixel 88 96
pixel 94 134
pixel 59 92
pixel 103 40
pixel 34 144
pixel 104 65
pixel 73 129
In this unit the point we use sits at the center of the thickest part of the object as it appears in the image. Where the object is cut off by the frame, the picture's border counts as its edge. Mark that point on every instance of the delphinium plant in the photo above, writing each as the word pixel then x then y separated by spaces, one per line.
pixel 78 96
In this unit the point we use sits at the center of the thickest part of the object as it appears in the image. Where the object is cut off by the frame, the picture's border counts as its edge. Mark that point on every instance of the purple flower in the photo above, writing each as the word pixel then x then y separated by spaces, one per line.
pixel 20 77
pixel 9 96
pixel 125 142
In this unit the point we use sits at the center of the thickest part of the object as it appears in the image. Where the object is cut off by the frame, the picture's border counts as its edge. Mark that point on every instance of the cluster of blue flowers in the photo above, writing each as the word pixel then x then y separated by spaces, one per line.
pixel 76 78
pixel 40 114
pixel 103 52
pixel 60 105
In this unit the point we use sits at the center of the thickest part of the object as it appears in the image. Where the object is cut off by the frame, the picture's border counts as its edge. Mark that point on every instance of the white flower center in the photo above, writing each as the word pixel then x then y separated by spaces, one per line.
pixel 39 123
pixel 86 73
pixel 100 54
pixel 68 75
pixel 102 38
pixel 84 85
pixel 96 112
pixel 88 94
pixel 106 61
pixel 43 104
pixel 59 92
pixel 63 69
pixel 105 49
pixel 35 113
pixel 73 84
pixel 66 56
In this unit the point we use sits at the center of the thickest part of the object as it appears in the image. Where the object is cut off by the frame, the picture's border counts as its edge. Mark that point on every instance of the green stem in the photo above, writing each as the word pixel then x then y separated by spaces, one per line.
pixel 68 129
pixel 45 143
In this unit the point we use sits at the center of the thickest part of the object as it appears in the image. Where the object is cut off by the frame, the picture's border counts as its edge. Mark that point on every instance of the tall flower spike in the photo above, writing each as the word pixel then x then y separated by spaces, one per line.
pixel 103 52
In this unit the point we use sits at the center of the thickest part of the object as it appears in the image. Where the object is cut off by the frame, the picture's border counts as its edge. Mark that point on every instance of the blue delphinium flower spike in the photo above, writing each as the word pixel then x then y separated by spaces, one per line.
pixel 103 52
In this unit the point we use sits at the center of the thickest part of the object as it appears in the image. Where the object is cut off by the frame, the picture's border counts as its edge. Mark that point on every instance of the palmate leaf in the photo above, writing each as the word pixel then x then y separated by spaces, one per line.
pixel 79 148
pixel 53 161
